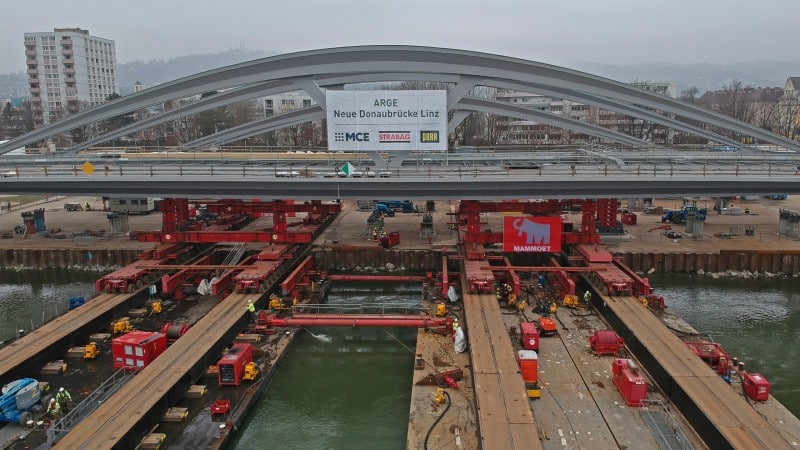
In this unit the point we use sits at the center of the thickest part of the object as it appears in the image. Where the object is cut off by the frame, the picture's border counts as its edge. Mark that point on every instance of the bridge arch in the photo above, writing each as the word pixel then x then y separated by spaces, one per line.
pixel 312 70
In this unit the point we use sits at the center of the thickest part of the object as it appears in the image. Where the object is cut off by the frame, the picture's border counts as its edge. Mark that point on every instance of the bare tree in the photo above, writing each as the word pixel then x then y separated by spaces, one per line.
pixel 787 118
pixel 736 101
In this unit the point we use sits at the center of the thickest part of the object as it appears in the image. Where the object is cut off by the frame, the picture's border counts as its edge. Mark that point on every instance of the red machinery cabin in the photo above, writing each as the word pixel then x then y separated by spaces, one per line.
pixel 606 342
pixel 755 386
pixel 137 349
pixel 390 240
pixel 712 353
pixel 230 367
pixel 529 366
pixel 547 327
pixel 530 336
pixel 631 385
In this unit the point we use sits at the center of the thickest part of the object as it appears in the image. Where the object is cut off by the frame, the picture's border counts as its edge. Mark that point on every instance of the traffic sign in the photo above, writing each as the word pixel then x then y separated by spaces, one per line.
pixel 347 169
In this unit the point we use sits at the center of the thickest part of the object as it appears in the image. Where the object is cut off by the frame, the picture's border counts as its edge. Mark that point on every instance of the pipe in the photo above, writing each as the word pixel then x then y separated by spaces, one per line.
pixel 356 320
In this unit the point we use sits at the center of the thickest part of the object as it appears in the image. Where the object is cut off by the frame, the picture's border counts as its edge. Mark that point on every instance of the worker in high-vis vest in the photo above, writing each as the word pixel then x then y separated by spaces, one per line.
pixel 252 309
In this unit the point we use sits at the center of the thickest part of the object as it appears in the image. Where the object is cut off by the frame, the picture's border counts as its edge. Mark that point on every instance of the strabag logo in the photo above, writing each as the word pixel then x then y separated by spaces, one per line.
pixel 531 234
pixel 350 137
pixel 394 136
pixel 429 136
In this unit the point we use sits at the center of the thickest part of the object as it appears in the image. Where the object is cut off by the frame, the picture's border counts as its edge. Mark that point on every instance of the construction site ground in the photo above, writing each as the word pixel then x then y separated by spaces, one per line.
pixel 350 227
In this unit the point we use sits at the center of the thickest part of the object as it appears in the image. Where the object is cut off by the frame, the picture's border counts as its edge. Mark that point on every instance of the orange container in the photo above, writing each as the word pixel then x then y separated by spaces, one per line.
pixel 529 366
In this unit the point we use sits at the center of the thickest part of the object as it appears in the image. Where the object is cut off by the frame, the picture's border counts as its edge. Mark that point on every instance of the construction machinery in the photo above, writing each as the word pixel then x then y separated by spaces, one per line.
pixel 440 397
pixel 679 215
pixel 121 325
pixel 90 351
pixel 18 398
pixel 441 309
pixel 572 301
pixel 250 371
pixel 547 326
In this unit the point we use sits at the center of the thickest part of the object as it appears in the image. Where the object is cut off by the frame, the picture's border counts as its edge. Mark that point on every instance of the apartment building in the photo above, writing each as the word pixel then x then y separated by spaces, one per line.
pixel 68 70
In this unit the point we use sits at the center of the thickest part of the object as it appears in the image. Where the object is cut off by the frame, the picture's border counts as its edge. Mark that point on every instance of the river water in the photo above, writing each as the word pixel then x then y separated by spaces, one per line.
pixel 756 320
pixel 27 298
pixel 348 388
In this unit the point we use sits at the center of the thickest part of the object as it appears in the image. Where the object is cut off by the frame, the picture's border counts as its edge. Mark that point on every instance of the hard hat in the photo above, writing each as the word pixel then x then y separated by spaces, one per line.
pixel 52 400
pixel 250 301
pixel 61 389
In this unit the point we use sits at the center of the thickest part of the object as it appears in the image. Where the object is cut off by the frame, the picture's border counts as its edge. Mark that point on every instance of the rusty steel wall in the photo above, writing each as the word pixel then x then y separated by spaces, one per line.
pixel 750 260
pixel 351 257
pixel 66 258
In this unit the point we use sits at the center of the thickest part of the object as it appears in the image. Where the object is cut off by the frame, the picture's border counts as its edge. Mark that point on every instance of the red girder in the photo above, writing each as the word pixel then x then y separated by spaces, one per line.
pixel 298 276
pixel 172 282
pixel 641 286
pixel 562 278
pixel 239 206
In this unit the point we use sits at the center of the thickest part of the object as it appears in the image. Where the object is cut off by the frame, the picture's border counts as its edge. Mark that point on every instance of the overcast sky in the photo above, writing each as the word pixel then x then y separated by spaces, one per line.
pixel 551 31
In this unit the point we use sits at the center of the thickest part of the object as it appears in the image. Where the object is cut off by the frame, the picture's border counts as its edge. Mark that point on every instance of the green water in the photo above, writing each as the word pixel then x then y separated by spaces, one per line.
pixel 27 298
pixel 757 321
pixel 350 393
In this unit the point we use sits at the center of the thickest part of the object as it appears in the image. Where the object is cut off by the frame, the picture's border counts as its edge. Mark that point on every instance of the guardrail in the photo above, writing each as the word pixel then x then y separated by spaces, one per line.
pixel 238 171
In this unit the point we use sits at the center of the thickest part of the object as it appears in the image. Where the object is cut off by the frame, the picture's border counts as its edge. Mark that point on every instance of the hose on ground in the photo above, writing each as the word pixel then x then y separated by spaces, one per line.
pixel 428 435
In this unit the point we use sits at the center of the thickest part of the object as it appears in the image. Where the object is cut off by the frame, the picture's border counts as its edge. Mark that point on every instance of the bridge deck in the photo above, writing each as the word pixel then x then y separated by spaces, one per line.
pixel 25 349
pixel 504 412
pixel 691 381
pixel 107 426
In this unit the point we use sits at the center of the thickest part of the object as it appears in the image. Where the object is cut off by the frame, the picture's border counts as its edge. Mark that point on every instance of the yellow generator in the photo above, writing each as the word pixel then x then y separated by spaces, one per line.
pixel 572 301
pixel 250 371
pixel 90 351
pixel 441 309
pixel 121 325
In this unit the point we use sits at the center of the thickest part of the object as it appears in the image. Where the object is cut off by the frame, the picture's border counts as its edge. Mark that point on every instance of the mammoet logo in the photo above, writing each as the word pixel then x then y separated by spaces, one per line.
pixel 532 234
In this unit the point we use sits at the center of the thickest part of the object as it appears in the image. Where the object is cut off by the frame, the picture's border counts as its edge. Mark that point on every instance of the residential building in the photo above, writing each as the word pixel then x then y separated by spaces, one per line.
pixel 281 103
pixel 68 70
pixel 527 132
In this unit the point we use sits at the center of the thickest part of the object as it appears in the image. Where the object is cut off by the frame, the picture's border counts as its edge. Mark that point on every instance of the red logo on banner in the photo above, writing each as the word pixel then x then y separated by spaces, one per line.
pixel 531 234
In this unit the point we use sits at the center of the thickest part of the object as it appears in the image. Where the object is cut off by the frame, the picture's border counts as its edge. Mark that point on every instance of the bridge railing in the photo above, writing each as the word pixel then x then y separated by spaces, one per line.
pixel 239 171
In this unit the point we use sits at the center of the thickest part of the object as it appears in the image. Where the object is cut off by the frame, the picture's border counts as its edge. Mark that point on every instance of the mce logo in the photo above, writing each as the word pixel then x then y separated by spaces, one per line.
pixel 340 136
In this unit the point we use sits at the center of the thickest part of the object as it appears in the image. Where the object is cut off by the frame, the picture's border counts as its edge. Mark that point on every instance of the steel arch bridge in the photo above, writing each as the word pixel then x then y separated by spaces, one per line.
pixel 315 70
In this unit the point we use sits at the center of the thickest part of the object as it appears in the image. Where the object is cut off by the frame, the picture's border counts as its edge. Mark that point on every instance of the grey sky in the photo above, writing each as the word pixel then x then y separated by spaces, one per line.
pixel 556 32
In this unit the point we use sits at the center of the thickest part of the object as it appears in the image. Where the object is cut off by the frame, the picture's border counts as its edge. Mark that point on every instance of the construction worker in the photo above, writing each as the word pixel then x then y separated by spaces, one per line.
pixel 252 309
pixel 63 398
pixel 455 326
pixel 587 296
pixel 53 409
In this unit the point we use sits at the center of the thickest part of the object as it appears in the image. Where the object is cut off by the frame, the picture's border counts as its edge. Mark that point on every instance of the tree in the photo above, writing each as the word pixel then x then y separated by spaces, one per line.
pixel 689 95
pixel 736 101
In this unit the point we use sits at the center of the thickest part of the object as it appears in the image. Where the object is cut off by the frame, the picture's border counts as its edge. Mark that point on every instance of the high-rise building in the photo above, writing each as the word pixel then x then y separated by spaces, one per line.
pixel 68 70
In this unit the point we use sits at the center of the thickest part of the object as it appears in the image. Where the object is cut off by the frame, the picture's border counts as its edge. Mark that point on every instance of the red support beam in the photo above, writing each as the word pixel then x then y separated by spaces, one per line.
pixel 172 282
pixel 298 276
pixel 360 320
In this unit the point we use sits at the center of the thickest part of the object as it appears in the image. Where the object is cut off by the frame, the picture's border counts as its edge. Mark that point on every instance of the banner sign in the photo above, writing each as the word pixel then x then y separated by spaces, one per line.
pixel 531 234
pixel 386 120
